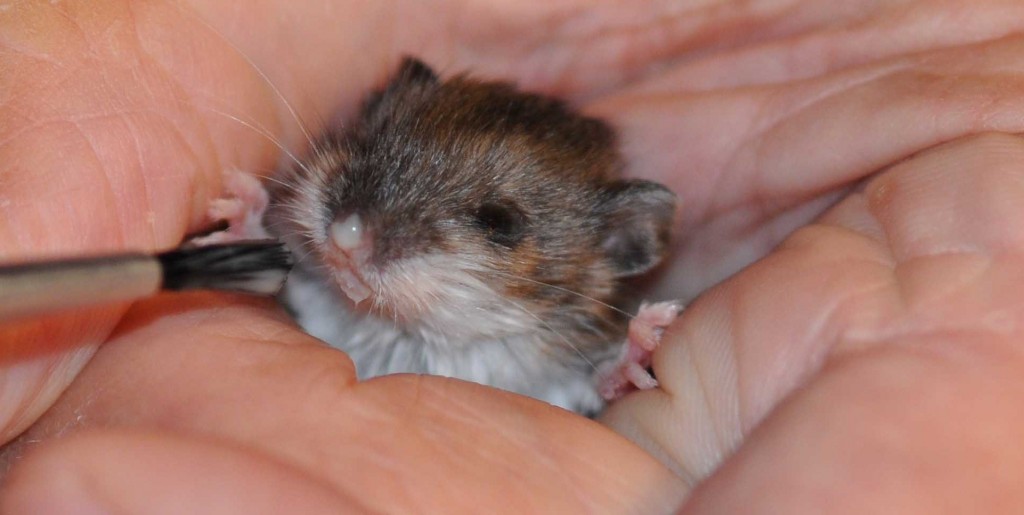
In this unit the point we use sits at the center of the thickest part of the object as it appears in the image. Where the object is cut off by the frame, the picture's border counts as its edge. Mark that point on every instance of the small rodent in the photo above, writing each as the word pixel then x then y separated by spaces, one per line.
pixel 463 228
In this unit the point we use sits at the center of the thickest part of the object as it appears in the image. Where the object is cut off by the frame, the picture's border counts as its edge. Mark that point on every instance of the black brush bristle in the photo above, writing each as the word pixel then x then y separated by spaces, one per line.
pixel 257 267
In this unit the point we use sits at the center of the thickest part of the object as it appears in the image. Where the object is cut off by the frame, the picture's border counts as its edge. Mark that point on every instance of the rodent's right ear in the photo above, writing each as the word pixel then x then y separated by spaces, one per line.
pixel 638 222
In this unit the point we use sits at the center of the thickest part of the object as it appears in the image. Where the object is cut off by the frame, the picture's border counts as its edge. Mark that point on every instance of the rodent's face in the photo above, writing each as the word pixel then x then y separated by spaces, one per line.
pixel 474 210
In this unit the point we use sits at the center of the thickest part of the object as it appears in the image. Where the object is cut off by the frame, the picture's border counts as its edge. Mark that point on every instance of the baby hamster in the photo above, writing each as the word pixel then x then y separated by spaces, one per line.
pixel 463 228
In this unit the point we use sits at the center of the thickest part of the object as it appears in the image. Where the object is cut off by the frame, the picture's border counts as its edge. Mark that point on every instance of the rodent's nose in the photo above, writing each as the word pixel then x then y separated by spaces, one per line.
pixel 347 232
pixel 350 235
pixel 350 248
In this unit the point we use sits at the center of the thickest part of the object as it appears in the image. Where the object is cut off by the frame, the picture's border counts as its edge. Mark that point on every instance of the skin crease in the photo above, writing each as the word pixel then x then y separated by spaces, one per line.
pixel 870 359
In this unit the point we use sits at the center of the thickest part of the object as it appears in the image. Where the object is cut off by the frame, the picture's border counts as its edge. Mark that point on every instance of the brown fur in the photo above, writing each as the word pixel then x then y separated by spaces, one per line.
pixel 517 181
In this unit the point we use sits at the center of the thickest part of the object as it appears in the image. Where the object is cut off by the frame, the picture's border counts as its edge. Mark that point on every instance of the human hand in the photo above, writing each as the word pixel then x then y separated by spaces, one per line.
pixel 868 362
pixel 225 394
pixel 200 387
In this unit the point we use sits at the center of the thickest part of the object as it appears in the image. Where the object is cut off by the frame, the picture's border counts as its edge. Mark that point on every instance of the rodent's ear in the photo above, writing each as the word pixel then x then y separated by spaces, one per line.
pixel 638 223
pixel 414 71
pixel 412 79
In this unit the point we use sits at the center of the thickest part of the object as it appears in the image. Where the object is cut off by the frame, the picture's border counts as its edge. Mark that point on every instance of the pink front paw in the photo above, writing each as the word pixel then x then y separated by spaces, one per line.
pixel 242 208
pixel 629 372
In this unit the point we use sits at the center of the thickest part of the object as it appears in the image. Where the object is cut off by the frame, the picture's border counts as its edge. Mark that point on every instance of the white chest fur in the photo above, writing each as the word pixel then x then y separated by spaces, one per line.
pixel 522 364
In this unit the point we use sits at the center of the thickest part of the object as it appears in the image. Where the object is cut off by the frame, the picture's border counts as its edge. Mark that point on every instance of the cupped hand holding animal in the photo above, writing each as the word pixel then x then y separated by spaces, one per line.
pixel 860 157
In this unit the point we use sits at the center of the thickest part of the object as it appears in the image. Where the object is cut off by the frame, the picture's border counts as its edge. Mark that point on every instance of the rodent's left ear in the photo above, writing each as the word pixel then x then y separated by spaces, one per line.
pixel 414 71
pixel 638 223
pixel 408 84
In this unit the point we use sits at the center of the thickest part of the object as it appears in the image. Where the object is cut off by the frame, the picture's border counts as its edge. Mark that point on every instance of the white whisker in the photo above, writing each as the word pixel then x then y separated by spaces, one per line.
pixel 552 329
pixel 288 186
pixel 262 132
pixel 566 290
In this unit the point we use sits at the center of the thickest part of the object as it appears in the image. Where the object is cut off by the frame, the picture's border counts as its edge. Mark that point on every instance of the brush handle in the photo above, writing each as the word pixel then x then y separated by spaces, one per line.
pixel 37 288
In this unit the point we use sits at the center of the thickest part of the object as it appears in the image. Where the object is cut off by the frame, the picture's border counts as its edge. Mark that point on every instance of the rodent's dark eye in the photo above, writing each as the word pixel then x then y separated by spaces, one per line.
pixel 504 222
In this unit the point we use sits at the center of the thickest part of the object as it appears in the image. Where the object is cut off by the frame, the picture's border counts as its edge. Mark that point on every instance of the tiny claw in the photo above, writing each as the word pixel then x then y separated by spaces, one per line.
pixel 629 372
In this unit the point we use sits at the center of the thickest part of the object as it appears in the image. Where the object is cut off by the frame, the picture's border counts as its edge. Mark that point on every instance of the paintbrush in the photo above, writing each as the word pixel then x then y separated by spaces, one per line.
pixel 254 267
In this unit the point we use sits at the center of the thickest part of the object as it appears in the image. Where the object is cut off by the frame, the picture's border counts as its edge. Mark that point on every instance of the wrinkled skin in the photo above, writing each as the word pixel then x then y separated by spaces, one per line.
pixel 860 154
